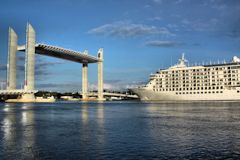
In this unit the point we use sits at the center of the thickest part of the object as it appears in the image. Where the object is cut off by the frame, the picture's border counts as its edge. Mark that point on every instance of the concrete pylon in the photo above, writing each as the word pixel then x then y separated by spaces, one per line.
pixel 29 64
pixel 11 66
pixel 30 58
pixel 85 81
pixel 100 74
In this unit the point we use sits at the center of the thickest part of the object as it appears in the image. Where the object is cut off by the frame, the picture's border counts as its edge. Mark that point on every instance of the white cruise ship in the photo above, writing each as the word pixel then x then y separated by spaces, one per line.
pixel 203 82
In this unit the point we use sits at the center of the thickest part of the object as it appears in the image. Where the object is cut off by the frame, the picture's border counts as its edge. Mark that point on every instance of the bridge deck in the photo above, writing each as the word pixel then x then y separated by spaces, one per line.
pixel 113 94
pixel 62 53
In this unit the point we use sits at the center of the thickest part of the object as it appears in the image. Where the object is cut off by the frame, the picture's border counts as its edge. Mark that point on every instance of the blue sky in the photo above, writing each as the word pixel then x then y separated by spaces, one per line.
pixel 138 36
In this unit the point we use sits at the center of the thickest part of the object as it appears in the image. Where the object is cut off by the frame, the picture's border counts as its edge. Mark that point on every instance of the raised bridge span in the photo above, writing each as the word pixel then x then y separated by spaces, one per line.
pixel 62 53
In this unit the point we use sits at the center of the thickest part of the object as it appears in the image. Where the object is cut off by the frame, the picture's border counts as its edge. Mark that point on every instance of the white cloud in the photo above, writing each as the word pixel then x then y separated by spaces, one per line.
pixel 158 43
pixel 200 25
pixel 147 6
pixel 219 6
pixel 66 86
pixel 117 85
pixel 178 1
pixel 126 29
pixel 3 83
pixel 173 27
pixel 186 22
pixel 157 1
pixel 157 18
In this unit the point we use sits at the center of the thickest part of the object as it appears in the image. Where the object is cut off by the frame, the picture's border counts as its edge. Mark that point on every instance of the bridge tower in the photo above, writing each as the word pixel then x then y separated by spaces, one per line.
pixel 100 74
pixel 11 66
pixel 30 58
pixel 29 62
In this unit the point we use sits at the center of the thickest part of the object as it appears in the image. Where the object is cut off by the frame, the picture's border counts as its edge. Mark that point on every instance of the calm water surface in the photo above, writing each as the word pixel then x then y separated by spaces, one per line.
pixel 120 130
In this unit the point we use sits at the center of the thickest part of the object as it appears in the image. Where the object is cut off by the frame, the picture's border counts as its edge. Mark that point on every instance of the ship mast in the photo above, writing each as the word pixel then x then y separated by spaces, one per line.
pixel 182 61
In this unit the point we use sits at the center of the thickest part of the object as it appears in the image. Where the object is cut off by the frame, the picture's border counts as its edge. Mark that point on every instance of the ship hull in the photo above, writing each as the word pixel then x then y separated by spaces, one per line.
pixel 149 95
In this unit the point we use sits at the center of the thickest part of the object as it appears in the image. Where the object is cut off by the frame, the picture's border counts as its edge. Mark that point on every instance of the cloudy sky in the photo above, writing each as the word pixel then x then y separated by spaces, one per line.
pixel 138 37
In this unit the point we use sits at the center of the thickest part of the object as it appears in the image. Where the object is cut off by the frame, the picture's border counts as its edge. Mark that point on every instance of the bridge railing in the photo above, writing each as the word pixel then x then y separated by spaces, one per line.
pixel 17 92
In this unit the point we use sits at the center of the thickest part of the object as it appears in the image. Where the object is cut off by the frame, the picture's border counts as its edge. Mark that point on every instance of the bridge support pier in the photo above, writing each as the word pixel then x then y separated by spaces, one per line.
pixel 100 75
pixel 84 81
pixel 11 66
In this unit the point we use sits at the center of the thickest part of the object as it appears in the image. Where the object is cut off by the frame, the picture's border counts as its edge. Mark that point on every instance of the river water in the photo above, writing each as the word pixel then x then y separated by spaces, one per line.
pixel 120 130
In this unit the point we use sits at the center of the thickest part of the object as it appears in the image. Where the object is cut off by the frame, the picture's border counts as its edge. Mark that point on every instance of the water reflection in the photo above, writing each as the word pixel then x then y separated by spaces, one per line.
pixel 8 125
pixel 100 123
pixel 18 129
pixel 92 127
pixel 28 123
pixel 7 107
pixel 191 127
pixel 84 113
pixel 100 115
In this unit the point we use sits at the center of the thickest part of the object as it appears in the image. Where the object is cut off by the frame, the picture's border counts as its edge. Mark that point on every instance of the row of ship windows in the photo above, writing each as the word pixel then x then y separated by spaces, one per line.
pixel 196 84
pixel 205 77
pixel 201 72
pixel 179 89
pixel 200 92
pixel 198 74
pixel 198 79
pixel 176 73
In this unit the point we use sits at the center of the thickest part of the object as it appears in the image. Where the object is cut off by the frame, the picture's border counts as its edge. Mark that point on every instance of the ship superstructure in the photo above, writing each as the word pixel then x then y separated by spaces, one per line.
pixel 202 82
